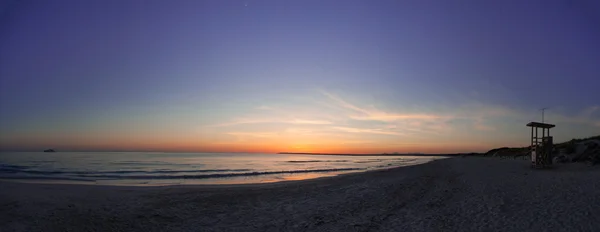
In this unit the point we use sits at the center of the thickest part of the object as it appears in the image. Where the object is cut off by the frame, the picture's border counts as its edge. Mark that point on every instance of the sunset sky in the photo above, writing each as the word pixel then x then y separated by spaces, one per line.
pixel 305 76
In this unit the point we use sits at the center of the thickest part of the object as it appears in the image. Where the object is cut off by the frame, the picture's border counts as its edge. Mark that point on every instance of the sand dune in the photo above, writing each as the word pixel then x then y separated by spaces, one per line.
pixel 456 194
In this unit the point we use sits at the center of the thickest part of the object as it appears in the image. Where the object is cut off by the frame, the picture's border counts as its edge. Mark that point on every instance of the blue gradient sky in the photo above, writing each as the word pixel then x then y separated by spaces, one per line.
pixel 265 76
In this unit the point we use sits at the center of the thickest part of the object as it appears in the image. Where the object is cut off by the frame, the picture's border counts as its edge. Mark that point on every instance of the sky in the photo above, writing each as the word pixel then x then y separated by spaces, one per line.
pixel 298 76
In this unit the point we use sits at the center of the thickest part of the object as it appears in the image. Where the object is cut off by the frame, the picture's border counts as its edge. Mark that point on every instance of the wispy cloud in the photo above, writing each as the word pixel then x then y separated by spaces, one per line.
pixel 386 117
pixel 398 123
pixel 375 114
pixel 481 117
pixel 482 126
pixel 356 142
pixel 589 112
pixel 240 122
pixel 249 137
pixel 337 120
pixel 254 134
pixel 368 131
pixel 298 131
pixel 285 121
pixel 316 122
pixel 342 103
pixel 586 117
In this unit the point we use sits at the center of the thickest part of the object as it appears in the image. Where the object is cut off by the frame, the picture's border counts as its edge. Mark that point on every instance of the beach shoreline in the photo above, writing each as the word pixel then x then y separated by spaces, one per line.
pixel 453 194
pixel 155 169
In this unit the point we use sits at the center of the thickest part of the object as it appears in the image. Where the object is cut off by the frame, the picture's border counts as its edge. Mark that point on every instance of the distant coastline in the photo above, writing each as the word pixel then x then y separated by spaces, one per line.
pixel 385 154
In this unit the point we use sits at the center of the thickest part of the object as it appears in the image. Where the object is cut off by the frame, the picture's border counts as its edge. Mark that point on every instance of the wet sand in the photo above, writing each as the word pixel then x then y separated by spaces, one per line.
pixel 455 194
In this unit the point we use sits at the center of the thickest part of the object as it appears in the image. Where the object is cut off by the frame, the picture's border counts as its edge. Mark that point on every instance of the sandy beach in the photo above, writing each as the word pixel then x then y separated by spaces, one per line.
pixel 454 194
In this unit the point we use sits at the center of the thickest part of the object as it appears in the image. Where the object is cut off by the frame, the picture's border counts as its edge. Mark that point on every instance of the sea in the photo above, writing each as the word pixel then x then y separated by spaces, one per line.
pixel 159 169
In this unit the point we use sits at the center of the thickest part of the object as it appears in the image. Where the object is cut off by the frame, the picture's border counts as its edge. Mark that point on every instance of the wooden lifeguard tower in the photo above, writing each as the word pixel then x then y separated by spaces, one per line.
pixel 541 147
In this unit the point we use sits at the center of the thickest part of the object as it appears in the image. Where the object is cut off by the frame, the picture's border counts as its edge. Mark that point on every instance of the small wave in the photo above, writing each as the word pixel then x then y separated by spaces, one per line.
pixel 384 166
pixel 39 172
pixel 367 161
pixel 7 168
pixel 11 166
pixel 219 175
pixel 151 163
pixel 139 162
pixel 42 161
pixel 45 178
pixel 317 161
pixel 399 160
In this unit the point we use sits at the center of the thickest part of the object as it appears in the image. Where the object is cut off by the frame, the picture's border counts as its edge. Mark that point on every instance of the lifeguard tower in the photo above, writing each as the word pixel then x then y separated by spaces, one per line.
pixel 541 147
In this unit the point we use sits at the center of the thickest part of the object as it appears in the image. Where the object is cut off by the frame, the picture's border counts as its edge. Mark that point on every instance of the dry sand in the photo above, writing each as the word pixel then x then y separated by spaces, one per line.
pixel 456 194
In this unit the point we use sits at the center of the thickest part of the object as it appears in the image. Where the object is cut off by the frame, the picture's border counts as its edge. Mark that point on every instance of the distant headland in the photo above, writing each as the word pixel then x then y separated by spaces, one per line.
pixel 49 150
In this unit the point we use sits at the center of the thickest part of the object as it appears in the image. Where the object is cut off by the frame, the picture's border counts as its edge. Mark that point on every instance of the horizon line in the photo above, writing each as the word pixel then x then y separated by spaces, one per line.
pixel 237 152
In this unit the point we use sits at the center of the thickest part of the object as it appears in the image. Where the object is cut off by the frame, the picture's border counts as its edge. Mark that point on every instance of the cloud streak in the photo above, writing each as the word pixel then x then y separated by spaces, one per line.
pixel 586 117
pixel 375 114
pixel 314 122
pixel 367 131
pixel 479 117
pixel 335 120
pixel 259 121
pixel 254 134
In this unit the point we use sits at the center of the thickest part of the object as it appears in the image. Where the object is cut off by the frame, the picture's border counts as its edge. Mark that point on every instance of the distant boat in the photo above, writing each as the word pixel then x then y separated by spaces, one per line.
pixel 49 150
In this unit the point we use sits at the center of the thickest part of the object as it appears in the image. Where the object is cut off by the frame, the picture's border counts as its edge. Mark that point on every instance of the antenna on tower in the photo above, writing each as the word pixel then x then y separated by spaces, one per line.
pixel 543 109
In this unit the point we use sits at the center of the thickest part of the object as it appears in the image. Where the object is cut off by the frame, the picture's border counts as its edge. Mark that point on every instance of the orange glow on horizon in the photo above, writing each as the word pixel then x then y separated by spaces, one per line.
pixel 262 145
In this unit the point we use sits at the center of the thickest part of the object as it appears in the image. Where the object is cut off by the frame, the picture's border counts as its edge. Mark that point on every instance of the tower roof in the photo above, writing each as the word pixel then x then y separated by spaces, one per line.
pixel 540 125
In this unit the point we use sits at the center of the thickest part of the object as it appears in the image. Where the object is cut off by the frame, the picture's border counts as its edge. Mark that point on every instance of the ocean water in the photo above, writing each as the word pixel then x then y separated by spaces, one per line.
pixel 154 168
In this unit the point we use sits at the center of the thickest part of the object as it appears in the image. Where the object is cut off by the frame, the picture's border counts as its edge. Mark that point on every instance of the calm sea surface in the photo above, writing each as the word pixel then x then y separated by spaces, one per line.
pixel 153 168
